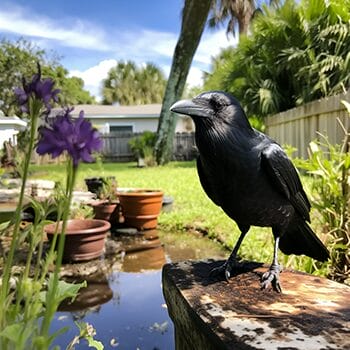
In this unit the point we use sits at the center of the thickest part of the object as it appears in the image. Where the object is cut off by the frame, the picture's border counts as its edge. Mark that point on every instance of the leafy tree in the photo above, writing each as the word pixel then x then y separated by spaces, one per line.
pixel 72 88
pixel 296 53
pixel 19 59
pixel 16 60
pixel 129 84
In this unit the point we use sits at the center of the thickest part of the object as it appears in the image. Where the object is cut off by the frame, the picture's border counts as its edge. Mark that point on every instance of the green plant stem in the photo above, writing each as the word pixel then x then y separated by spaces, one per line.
pixel 40 252
pixel 23 279
pixel 35 113
pixel 51 303
pixel 49 256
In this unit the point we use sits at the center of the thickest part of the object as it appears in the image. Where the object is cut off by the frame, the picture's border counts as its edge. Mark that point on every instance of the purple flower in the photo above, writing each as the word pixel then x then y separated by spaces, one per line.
pixel 41 90
pixel 76 136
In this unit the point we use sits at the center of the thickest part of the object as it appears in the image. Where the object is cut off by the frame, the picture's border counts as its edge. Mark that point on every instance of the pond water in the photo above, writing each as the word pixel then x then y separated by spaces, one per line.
pixel 7 210
pixel 126 306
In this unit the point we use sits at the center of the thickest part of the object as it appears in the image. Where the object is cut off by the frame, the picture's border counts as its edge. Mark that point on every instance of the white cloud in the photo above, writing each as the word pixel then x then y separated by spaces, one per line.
pixel 211 44
pixel 98 72
pixel 93 76
pixel 142 45
pixel 149 46
pixel 139 45
pixel 195 77
pixel 81 34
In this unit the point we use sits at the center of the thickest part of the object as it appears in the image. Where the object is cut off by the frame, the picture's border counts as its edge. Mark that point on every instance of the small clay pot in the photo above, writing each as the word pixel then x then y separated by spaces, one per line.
pixel 84 238
pixel 104 210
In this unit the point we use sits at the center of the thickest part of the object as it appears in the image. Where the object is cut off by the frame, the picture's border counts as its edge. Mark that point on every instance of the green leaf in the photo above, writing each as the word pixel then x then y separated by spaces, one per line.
pixel 11 332
pixel 18 333
pixel 68 290
pixel 94 343
pixel 347 161
pixel 318 172
pixel 87 331
pixel 340 246
pixel 65 290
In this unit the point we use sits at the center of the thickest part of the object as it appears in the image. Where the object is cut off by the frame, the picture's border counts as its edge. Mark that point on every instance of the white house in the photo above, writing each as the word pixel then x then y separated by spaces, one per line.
pixel 9 128
pixel 114 118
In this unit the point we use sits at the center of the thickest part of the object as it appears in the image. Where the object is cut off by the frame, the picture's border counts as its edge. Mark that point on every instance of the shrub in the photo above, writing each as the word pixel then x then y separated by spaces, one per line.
pixel 329 165
pixel 143 145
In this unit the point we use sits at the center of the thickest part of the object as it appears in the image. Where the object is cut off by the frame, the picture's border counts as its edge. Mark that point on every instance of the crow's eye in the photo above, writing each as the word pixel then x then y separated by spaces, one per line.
pixel 216 105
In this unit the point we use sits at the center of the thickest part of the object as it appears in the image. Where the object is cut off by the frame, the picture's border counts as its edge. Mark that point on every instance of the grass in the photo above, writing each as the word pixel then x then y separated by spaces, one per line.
pixel 192 209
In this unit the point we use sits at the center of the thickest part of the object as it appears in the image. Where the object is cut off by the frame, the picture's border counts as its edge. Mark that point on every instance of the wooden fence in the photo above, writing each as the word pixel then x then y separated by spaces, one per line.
pixel 116 147
pixel 299 126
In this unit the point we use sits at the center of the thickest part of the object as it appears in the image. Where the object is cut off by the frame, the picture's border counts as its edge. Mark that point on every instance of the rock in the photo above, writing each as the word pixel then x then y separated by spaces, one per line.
pixel 127 231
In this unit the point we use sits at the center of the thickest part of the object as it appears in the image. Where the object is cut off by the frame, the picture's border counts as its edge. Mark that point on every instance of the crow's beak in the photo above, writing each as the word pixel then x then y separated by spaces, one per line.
pixel 191 108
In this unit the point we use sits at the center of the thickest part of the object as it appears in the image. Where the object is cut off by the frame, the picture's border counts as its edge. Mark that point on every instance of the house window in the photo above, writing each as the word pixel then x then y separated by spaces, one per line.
pixel 120 128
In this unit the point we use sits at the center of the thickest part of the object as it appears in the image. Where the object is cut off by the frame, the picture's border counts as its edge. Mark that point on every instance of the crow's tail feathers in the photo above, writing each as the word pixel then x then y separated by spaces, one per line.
pixel 300 239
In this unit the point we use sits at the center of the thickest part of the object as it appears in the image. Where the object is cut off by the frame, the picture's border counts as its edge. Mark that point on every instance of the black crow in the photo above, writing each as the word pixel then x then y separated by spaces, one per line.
pixel 251 178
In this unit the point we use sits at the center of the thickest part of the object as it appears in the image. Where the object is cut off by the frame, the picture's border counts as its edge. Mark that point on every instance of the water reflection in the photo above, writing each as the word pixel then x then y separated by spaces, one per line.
pixel 96 293
pixel 126 306
pixel 150 259
pixel 7 210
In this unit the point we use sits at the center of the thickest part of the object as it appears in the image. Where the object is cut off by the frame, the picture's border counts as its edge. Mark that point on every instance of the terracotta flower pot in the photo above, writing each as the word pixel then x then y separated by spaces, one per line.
pixel 141 207
pixel 104 210
pixel 84 238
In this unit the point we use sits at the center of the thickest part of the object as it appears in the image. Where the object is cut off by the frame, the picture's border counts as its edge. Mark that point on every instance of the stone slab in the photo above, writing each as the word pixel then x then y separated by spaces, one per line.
pixel 311 313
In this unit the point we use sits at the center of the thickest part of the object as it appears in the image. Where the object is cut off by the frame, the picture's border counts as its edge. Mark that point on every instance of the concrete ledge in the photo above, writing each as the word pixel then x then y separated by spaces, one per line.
pixel 312 313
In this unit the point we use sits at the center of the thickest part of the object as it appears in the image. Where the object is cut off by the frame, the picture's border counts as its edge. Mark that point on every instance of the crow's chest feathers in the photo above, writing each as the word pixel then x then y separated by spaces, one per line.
pixel 229 171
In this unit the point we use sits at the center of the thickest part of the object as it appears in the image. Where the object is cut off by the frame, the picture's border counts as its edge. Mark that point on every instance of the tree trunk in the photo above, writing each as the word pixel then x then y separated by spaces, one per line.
pixel 194 16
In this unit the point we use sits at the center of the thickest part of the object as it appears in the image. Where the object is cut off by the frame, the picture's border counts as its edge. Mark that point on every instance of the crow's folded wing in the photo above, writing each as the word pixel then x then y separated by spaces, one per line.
pixel 285 178
pixel 203 177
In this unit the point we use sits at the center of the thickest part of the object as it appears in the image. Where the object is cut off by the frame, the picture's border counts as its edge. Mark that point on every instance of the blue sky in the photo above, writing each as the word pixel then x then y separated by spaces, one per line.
pixel 91 36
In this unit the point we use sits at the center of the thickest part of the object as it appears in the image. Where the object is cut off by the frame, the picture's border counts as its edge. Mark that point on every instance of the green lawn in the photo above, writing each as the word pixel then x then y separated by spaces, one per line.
pixel 193 210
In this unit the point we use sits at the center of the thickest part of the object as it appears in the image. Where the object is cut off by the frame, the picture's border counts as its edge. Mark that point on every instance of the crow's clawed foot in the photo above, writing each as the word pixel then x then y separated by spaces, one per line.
pixel 272 277
pixel 225 269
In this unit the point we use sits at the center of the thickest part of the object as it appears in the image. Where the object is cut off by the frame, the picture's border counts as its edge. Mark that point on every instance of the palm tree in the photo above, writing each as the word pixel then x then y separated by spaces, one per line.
pixel 128 84
pixel 194 17
pixel 151 82
pixel 236 12
pixel 295 53
pixel 119 84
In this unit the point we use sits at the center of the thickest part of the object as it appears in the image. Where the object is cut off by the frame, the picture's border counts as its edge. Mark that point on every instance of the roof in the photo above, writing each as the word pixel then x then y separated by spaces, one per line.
pixel 103 111
pixel 12 122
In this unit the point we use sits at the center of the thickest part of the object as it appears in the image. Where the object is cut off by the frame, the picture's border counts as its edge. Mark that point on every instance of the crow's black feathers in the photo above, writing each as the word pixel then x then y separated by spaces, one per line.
pixel 249 175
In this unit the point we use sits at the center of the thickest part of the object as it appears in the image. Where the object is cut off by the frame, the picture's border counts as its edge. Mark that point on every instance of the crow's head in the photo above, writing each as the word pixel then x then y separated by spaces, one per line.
pixel 212 107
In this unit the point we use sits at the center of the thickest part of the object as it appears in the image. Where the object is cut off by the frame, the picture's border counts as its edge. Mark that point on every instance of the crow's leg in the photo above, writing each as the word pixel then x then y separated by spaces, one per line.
pixel 272 276
pixel 231 263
